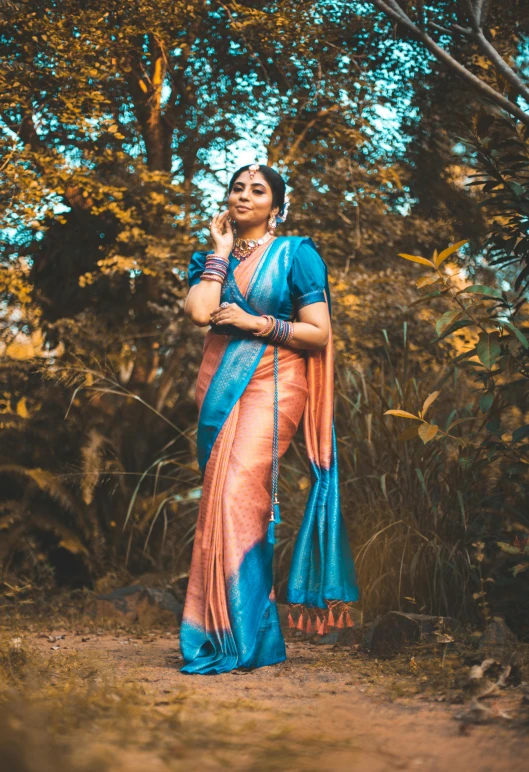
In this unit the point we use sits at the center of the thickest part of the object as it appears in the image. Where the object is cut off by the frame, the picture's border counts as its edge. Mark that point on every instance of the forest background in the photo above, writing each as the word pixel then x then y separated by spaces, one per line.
pixel 401 128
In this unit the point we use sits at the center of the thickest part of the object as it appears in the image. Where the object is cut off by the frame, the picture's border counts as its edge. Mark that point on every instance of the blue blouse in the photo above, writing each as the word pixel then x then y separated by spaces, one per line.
pixel 307 278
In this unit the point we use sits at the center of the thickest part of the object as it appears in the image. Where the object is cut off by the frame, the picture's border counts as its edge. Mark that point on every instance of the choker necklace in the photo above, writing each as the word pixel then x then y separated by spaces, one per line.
pixel 243 248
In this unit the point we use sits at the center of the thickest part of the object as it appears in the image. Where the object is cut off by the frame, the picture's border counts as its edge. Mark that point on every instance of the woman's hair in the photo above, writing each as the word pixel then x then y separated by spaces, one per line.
pixel 274 179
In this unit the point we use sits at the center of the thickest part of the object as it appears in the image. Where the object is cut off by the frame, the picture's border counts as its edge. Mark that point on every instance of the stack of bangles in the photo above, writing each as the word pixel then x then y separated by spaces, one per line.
pixel 215 269
pixel 276 330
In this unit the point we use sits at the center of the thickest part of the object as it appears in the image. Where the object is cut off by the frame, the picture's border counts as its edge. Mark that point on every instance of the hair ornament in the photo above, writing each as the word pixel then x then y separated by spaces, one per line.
pixel 283 214
pixel 252 169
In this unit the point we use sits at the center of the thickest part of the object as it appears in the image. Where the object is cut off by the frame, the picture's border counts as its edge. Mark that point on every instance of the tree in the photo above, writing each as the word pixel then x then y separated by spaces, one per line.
pixel 466 23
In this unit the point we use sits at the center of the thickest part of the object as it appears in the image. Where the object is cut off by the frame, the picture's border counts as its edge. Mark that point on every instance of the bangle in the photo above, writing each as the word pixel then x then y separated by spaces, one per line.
pixel 269 326
pixel 210 277
pixel 216 268
pixel 276 330
pixel 281 332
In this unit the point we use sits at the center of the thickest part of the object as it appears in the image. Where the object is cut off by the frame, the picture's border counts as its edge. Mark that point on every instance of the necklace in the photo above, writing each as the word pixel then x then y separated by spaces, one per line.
pixel 243 248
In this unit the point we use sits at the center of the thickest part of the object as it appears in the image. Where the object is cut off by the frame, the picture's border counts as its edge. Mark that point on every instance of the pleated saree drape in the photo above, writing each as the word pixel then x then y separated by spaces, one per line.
pixel 230 615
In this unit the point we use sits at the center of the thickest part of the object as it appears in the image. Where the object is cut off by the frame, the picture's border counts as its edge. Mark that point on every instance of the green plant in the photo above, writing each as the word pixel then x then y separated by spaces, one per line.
pixel 494 440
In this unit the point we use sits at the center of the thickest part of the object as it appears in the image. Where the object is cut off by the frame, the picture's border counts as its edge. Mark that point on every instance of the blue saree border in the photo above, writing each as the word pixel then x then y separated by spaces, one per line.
pixel 242 355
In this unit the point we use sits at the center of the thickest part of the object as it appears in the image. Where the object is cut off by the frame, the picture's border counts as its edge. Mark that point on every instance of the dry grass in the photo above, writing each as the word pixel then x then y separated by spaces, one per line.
pixel 77 714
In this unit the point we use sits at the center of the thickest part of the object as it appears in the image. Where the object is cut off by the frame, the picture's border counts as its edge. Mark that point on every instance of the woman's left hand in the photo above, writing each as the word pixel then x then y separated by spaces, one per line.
pixel 234 314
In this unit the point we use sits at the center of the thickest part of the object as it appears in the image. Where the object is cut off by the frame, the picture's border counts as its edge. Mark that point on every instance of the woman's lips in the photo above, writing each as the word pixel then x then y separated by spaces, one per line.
pixel 242 208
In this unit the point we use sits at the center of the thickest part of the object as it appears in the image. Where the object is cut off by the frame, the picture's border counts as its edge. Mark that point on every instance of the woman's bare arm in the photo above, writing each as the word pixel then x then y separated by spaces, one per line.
pixel 202 299
pixel 312 329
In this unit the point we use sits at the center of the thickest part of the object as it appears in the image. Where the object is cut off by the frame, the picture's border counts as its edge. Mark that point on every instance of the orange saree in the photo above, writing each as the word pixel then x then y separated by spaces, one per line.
pixel 230 614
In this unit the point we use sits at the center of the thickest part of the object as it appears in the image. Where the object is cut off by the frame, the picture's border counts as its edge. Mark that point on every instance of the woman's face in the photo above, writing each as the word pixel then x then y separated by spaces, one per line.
pixel 250 200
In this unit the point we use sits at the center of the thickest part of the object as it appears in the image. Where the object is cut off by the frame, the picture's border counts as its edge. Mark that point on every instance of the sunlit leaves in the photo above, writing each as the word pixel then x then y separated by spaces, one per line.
pixel 427 432
pixel 429 401
pixel 442 256
pixel 417 259
pixel 402 414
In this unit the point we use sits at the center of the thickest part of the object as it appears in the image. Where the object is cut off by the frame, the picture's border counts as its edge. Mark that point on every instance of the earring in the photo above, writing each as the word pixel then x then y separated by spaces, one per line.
pixel 272 223
pixel 233 224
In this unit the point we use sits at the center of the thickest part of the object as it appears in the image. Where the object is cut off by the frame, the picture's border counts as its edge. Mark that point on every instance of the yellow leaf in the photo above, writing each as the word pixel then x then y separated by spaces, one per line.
pixel 417 259
pixel 428 401
pixel 143 87
pixel 22 409
pixel 303 483
pixel 402 414
pixel 441 257
pixel 72 545
pixel 424 281
pixel 427 432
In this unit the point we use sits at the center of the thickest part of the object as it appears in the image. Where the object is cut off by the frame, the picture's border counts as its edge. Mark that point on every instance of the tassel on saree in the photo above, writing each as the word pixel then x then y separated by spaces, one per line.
pixel 299 625
pixel 320 621
pixel 275 519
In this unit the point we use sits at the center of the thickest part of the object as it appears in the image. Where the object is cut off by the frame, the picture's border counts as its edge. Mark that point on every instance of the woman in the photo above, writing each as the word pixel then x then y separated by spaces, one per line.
pixel 267 360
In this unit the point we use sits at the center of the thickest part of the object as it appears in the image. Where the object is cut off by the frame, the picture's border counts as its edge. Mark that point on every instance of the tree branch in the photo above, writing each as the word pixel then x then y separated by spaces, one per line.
pixel 393 11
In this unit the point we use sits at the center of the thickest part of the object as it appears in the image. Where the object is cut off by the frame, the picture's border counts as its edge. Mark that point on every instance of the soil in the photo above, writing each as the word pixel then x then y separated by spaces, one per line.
pixel 116 698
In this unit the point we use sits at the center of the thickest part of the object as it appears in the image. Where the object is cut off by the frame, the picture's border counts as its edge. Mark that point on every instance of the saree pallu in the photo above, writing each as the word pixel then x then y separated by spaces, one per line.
pixel 230 614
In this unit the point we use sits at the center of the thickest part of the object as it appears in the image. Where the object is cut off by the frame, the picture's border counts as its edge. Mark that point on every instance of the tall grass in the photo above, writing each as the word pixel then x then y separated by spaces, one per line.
pixel 414 511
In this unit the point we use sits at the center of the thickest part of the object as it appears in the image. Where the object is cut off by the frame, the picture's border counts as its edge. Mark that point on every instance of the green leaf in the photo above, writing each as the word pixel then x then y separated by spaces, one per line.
pixel 481 289
pixel 427 432
pixel 519 568
pixel 486 401
pixel 441 257
pixel 510 548
pixel 402 414
pixel 518 333
pixel 488 348
pixel 458 325
pixel 446 320
pixel 494 427
pixel 520 433
pixel 417 259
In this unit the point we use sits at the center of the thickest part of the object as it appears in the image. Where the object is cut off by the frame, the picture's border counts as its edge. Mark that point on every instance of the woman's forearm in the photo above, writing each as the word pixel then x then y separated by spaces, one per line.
pixel 202 299
pixel 306 336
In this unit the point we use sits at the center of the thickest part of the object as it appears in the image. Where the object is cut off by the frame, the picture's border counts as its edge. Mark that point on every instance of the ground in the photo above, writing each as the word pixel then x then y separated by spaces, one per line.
pixel 84 695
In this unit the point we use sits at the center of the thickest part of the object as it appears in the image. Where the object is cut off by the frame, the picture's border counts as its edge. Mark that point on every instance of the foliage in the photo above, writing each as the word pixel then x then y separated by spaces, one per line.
pixel 114 143
pixel 495 360
pixel 120 126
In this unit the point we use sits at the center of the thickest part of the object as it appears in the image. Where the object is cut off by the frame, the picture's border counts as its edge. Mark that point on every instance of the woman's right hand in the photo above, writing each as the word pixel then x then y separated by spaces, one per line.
pixel 222 233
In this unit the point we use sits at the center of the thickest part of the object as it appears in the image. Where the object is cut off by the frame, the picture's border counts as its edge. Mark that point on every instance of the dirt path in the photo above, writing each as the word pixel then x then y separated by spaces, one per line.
pixel 324 709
